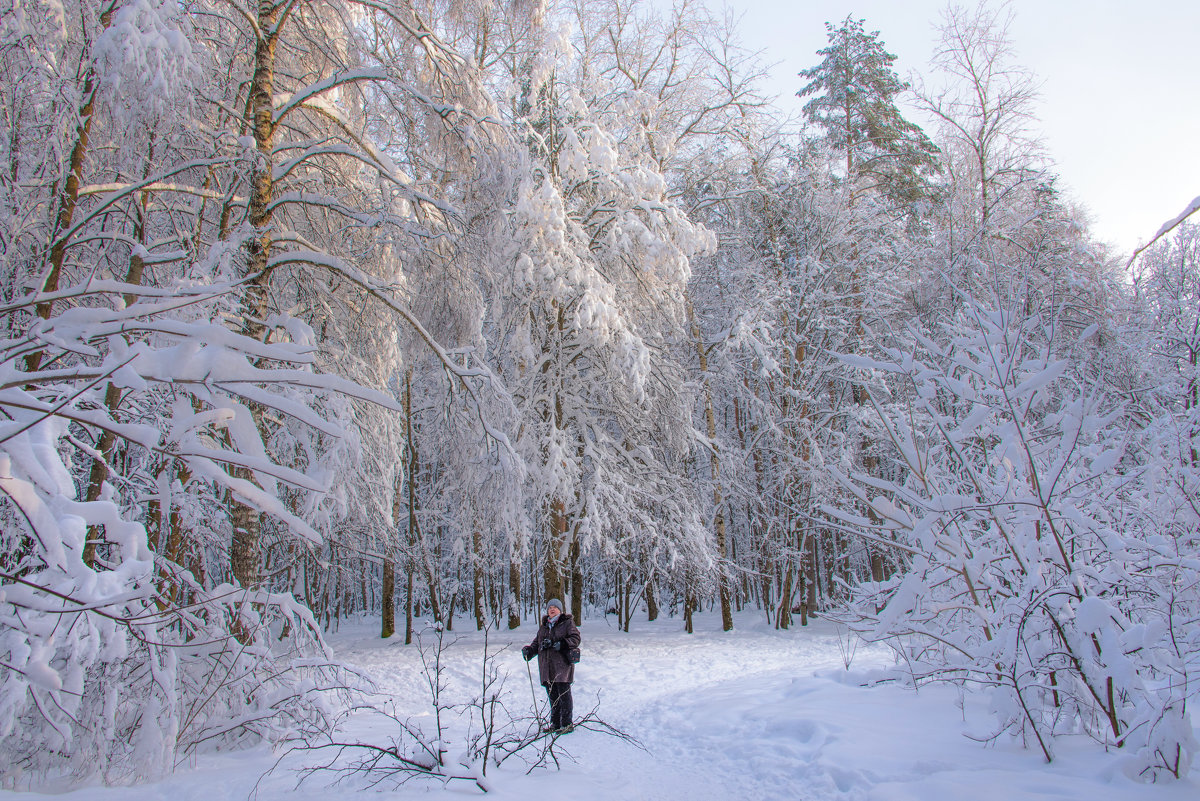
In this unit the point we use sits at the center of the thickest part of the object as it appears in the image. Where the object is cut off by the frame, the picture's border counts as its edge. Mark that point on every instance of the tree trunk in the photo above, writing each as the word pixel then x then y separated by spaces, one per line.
pixel 173 553
pixel 387 598
pixel 877 571
pixel 576 582
pixel 417 545
pixel 106 446
pixel 477 577
pixel 112 394
pixel 783 614
pixel 715 466
pixel 514 587
pixel 363 588
pixel 244 552
pixel 389 563
pixel 802 581
pixel 651 602
pixel 626 604
pixel 552 571
pixel 408 602
pixel 68 196
pixel 814 576
pixel 687 610
pixel 768 569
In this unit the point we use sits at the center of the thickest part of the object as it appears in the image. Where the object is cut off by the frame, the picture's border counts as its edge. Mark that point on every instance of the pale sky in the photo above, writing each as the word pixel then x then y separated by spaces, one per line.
pixel 1120 93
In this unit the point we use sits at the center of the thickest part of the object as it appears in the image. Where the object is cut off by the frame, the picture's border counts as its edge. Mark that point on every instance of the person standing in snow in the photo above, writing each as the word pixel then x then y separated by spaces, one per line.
pixel 555 638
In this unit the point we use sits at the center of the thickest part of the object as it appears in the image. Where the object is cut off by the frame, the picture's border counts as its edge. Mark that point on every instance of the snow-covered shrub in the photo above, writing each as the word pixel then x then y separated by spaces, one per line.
pixel 118 657
pixel 1039 560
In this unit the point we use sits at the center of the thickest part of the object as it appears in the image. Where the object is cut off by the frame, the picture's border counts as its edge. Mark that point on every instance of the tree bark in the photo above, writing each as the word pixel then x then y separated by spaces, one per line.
pixel 408 602
pixel 715 466
pixel 514 587
pixel 387 598
pixel 576 581
pixel 244 552
pixel 68 197
pixel 813 575
pixel 112 394
pixel 477 577
pixel 783 614
pixel 417 545
pixel 552 571
pixel 651 602
pixel 688 603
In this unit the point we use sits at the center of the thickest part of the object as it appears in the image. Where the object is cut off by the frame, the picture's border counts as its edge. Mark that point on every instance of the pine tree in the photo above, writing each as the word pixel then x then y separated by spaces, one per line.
pixel 854 92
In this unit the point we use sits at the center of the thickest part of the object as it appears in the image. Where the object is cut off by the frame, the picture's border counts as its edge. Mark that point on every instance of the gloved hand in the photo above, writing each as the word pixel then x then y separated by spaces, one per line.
pixel 527 652
pixel 546 644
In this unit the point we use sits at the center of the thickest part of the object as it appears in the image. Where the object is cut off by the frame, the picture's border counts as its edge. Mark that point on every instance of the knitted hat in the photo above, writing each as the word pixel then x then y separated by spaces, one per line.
pixel 555 602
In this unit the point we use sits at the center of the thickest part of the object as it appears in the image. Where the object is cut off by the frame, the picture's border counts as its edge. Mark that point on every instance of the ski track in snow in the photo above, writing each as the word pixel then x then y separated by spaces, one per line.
pixel 753 714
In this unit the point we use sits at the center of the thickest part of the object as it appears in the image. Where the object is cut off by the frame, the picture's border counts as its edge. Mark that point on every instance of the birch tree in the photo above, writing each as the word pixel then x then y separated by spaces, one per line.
pixel 987 110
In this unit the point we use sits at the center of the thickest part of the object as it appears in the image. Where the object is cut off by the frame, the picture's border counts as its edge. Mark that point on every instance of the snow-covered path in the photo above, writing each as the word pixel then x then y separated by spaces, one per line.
pixel 754 714
pixel 762 714
pixel 706 707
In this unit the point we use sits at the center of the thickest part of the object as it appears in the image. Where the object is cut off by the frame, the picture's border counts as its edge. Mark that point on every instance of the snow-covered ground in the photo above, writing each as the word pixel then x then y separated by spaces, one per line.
pixel 754 714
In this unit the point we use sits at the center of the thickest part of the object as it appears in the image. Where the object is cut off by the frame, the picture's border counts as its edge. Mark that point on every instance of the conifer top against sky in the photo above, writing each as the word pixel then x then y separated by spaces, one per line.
pixel 1118 112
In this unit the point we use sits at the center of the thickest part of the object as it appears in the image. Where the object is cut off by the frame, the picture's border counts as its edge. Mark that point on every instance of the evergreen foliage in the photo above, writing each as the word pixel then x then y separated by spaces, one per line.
pixel 854 93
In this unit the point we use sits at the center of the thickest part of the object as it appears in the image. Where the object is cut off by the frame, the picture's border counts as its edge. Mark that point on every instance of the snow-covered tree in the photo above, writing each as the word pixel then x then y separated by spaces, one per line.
pixel 601 253
pixel 985 112
pixel 185 228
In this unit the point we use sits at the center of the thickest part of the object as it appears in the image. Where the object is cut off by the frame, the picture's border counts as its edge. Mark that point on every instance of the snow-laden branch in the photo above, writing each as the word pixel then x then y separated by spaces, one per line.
pixel 1168 227
pixel 465 376
pixel 316 89
pixel 375 158
pixel 102 286
pixel 123 189
pixel 126 190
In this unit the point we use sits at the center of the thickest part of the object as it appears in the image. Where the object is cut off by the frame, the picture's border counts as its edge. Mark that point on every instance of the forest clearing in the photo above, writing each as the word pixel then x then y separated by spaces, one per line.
pixel 754 713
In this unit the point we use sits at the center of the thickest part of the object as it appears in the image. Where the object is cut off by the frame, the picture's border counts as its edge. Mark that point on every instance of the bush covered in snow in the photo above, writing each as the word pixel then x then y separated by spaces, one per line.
pixel 1049 551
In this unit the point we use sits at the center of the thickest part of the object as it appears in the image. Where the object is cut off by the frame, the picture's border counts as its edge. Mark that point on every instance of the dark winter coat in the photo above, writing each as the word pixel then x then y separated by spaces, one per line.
pixel 553 665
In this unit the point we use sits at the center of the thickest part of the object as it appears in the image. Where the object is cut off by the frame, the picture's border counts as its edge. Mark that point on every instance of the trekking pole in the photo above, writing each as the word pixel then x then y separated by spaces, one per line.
pixel 533 692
